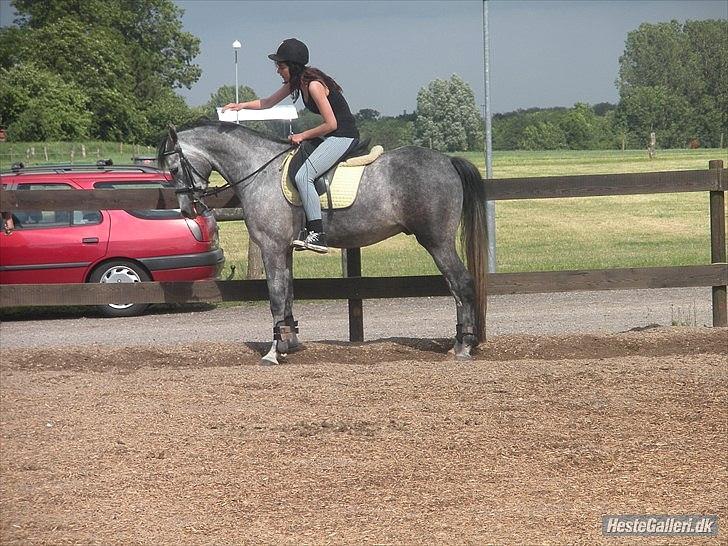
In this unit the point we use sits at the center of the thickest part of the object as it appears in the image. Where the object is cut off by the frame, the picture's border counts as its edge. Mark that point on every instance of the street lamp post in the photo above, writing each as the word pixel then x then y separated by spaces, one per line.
pixel 236 46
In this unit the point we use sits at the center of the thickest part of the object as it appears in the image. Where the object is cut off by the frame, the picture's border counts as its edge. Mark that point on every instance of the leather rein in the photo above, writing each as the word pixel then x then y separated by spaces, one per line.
pixel 188 172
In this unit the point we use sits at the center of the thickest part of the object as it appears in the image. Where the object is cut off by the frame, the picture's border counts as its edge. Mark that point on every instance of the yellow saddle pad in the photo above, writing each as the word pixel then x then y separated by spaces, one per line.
pixel 343 187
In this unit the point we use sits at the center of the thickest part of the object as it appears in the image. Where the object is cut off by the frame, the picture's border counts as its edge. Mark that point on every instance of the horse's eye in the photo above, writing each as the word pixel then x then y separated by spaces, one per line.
pixel 174 170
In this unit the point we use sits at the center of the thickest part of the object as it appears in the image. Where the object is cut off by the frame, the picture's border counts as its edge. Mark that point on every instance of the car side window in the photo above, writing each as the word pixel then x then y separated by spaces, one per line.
pixel 120 185
pixel 153 214
pixel 36 219
pixel 86 217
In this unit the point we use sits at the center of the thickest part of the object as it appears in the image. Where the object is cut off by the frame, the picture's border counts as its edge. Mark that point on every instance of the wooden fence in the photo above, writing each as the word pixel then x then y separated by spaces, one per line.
pixel 356 288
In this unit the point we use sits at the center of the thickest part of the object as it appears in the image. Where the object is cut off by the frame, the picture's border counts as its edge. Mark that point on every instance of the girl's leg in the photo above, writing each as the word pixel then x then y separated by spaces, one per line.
pixel 320 161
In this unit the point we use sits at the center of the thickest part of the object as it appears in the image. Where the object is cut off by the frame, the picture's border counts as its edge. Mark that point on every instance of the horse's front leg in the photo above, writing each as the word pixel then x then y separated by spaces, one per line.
pixel 279 274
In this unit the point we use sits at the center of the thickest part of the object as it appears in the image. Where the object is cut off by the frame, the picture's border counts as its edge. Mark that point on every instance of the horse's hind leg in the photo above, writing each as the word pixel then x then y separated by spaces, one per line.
pixel 461 285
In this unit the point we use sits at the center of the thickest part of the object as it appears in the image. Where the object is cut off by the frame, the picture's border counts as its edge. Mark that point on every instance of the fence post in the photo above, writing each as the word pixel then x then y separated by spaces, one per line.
pixel 351 265
pixel 718 247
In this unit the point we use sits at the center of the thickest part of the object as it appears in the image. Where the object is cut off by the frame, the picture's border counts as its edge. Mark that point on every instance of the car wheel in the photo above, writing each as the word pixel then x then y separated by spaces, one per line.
pixel 120 271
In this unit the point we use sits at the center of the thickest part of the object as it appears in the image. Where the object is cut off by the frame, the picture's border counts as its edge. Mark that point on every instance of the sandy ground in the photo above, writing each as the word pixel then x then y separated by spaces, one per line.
pixel 170 432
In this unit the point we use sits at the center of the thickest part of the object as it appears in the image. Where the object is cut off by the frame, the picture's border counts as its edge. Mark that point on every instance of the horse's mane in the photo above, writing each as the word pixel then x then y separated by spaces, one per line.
pixel 222 126
pixel 229 127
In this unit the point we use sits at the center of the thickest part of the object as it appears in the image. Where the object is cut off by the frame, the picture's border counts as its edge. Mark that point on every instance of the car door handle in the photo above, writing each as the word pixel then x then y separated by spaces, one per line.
pixel 90 240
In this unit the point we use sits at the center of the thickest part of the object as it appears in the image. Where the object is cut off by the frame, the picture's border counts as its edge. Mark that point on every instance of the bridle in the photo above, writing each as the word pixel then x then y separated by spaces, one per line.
pixel 196 194
pixel 187 174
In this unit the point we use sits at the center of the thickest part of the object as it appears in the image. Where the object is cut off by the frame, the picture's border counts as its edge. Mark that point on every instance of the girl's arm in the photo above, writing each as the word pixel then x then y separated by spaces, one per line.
pixel 260 104
pixel 317 91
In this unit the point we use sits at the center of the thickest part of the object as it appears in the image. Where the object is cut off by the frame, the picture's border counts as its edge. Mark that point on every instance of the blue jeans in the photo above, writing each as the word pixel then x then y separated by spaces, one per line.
pixel 321 160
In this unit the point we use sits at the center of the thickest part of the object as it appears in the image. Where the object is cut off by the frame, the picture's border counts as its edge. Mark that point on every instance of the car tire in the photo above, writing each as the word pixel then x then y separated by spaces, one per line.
pixel 120 271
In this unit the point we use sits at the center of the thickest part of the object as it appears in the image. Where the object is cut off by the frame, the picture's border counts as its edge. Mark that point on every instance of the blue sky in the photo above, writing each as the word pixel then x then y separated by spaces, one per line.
pixel 544 53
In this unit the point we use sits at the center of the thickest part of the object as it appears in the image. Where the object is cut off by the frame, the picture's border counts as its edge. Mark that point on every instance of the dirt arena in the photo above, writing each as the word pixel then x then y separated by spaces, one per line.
pixel 385 442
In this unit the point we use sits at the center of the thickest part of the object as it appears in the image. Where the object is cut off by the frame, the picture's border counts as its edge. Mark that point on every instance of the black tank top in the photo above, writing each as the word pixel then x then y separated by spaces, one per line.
pixel 345 122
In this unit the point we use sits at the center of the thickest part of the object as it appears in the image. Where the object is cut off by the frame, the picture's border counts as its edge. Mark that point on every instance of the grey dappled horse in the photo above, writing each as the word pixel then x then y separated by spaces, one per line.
pixel 408 190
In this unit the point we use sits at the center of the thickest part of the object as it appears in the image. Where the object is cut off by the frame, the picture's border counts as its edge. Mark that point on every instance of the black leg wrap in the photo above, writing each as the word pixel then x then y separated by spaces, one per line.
pixel 281 332
pixel 293 324
pixel 461 331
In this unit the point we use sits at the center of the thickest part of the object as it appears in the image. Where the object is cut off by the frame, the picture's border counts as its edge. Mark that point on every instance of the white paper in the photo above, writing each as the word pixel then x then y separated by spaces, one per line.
pixel 285 111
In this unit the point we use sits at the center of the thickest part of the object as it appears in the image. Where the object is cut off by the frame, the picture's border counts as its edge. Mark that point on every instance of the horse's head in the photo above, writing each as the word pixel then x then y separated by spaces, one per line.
pixel 190 172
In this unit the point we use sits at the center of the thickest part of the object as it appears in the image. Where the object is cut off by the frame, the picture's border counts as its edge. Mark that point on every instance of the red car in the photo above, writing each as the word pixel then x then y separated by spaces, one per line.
pixel 40 247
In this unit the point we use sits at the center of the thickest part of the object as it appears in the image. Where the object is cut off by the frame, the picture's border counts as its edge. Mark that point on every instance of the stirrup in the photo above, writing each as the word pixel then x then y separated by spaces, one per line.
pixel 299 243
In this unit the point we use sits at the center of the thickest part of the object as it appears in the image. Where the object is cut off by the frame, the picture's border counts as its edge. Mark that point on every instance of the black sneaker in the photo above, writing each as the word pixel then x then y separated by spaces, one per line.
pixel 316 242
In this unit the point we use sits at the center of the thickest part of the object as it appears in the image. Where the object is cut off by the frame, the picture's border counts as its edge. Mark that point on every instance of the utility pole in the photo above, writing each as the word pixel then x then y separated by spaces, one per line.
pixel 489 205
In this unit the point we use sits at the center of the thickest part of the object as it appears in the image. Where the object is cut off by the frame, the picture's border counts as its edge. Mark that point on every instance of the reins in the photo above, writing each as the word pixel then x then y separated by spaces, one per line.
pixel 228 185
pixel 188 169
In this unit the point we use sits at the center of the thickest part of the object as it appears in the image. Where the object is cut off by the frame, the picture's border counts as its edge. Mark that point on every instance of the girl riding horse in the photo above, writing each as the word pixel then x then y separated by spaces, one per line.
pixel 321 95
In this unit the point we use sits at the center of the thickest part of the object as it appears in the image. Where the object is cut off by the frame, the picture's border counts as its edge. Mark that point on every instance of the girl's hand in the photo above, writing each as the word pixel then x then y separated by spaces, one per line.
pixel 296 139
pixel 232 106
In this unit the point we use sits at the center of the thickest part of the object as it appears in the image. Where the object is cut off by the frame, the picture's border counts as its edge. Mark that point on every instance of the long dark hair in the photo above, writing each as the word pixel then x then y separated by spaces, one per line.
pixel 303 75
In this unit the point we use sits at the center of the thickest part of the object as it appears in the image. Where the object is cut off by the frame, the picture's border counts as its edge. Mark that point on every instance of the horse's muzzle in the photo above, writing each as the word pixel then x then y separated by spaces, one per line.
pixel 187 206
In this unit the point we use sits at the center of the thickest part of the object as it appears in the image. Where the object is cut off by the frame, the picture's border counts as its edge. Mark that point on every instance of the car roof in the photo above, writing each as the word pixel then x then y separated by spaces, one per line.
pixel 84 174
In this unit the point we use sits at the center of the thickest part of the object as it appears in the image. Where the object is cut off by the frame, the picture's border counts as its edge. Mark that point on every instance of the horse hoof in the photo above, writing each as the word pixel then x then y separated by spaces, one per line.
pixel 288 346
pixel 461 351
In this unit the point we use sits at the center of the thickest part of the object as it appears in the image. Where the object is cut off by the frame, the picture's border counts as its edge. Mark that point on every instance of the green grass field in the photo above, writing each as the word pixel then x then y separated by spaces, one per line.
pixel 56 153
pixel 553 234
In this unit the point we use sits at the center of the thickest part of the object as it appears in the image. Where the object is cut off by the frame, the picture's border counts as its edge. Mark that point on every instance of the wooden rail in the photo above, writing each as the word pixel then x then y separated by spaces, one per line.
pixel 361 288
pixel 355 288
pixel 548 187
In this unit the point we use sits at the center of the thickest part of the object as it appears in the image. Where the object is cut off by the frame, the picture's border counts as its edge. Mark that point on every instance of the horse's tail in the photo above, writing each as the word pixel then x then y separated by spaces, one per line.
pixel 473 235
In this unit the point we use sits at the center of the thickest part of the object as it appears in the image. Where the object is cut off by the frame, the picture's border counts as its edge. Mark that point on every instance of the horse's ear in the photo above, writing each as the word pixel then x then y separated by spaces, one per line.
pixel 172 134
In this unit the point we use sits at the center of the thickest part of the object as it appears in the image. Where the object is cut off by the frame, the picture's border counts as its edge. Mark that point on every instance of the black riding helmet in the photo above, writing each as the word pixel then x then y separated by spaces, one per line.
pixel 291 50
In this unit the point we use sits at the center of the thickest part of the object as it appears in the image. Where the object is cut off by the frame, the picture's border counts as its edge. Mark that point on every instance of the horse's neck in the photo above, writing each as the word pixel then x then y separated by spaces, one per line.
pixel 235 155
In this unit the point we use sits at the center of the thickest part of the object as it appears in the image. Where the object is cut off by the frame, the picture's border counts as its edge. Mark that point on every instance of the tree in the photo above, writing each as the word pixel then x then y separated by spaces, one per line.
pixel 543 136
pixel 225 95
pixel 124 55
pixel 683 65
pixel 447 116
pixel 150 31
pixel 577 128
pixel 36 104
pixel 166 108
pixel 388 132
pixel 644 110
pixel 366 114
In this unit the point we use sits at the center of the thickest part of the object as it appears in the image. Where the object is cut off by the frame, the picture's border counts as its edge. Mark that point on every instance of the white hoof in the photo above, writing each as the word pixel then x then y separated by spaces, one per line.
pixel 271 359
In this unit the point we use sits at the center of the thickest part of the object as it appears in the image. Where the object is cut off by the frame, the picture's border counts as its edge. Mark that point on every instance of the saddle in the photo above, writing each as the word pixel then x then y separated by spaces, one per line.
pixel 339 185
